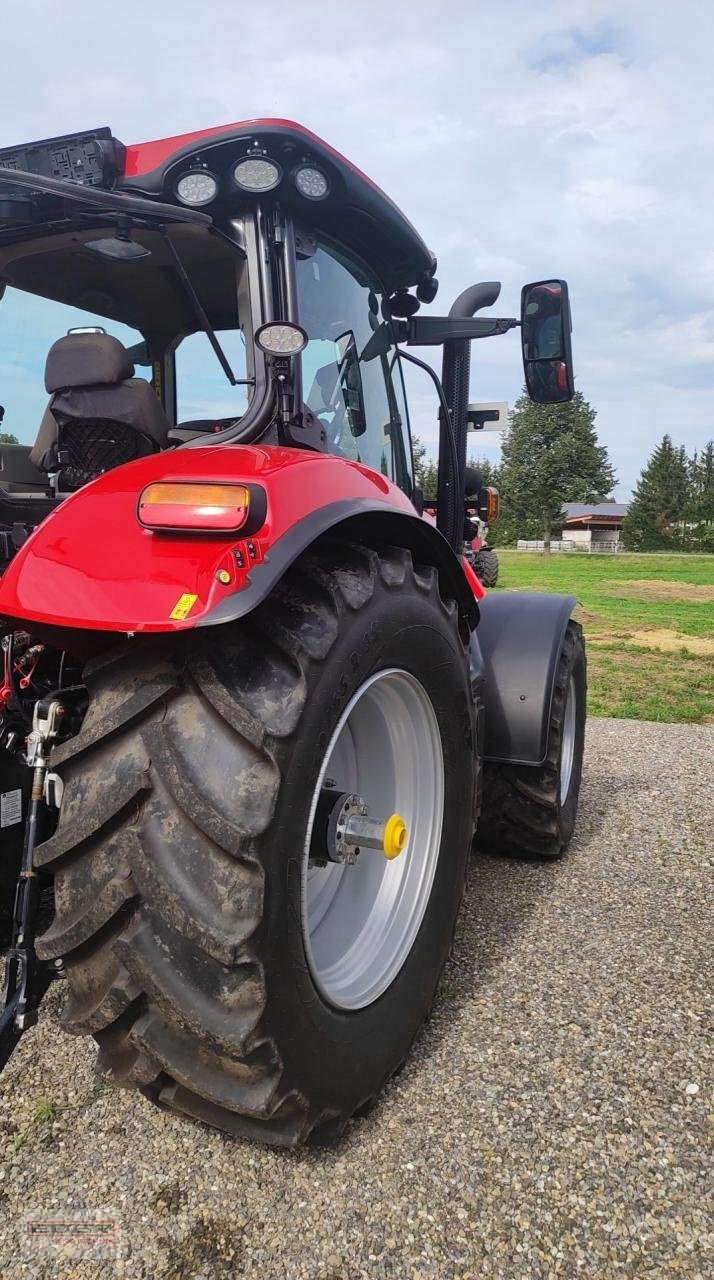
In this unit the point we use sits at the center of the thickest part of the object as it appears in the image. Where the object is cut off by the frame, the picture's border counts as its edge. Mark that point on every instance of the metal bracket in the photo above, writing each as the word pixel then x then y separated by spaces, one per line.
pixel 27 978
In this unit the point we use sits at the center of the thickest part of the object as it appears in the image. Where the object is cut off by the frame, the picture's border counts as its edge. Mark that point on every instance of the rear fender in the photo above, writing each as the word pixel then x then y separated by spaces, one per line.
pixel 514 654
pixel 361 521
pixel 91 566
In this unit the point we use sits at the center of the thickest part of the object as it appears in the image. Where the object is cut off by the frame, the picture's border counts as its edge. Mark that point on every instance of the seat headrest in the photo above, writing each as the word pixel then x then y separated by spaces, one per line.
pixel 87 360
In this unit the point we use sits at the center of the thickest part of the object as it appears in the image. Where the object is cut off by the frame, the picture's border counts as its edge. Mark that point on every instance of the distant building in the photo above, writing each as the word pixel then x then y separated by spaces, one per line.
pixel 587 526
pixel 593 526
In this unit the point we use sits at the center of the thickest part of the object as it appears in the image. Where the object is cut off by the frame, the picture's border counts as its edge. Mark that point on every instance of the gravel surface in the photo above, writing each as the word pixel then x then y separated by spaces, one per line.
pixel 552 1120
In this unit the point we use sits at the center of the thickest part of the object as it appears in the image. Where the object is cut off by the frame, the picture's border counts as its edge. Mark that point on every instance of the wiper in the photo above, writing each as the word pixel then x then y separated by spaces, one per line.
pixel 202 317
pixel 116 201
pixel 120 202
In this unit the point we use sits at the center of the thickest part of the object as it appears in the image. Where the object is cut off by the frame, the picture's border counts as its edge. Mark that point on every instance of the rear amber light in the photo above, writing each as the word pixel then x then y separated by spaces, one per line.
pixel 489 507
pixel 199 507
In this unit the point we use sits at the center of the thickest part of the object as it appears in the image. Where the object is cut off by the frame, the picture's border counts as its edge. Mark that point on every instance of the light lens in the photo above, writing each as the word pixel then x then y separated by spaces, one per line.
pixel 202 507
pixel 311 183
pixel 489 511
pixel 255 173
pixel 118 250
pixel 197 187
pixel 281 339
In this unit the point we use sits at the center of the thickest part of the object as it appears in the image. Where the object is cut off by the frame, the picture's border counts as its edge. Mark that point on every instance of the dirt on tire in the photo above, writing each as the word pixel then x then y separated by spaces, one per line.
pixel 177 857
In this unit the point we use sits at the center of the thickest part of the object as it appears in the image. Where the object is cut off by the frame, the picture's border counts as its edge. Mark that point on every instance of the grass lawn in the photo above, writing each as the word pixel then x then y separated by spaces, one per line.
pixel 649 626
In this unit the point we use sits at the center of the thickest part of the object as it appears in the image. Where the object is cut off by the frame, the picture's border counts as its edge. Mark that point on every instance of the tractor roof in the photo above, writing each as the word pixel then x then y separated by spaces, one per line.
pixel 354 210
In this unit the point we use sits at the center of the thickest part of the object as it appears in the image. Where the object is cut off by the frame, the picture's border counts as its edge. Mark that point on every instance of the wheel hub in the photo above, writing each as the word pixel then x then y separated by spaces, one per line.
pixel 343 828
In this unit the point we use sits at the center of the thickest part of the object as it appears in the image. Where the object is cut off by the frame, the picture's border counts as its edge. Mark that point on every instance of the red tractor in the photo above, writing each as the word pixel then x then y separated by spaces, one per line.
pixel 254 706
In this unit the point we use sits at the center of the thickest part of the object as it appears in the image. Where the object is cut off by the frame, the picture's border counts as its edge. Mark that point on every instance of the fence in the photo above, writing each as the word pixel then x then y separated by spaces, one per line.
pixel 566 544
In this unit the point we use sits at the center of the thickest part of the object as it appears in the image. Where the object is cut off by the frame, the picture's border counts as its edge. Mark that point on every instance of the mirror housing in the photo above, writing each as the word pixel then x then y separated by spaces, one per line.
pixel 350 381
pixel 545 341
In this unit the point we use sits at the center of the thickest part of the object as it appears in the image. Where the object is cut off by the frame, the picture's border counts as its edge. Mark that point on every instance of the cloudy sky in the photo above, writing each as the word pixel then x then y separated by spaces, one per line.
pixel 524 140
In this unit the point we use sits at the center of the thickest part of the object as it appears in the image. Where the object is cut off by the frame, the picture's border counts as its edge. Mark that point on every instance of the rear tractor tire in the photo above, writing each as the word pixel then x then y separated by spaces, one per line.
pixel 485 566
pixel 531 811
pixel 225 969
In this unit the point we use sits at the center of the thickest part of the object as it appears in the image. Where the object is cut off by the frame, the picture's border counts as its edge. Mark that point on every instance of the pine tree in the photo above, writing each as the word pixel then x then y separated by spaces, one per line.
pixel 426 470
pixel 702 502
pixel 657 517
pixel 550 456
pixel 489 470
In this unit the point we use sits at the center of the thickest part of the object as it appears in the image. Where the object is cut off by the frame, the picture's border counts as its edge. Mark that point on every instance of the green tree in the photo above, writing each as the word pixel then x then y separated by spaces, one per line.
pixel 550 456
pixel 426 471
pixel 701 507
pixel 489 470
pixel 6 437
pixel 659 514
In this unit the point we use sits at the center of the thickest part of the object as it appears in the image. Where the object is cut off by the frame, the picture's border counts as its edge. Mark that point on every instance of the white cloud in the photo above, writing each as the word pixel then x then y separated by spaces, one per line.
pixel 572 137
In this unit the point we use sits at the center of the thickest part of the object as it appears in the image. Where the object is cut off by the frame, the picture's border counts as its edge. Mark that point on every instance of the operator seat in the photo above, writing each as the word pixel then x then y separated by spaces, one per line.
pixel 99 414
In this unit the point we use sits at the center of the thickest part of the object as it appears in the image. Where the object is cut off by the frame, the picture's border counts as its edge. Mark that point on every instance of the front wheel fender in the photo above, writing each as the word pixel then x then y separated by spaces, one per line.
pixel 514 653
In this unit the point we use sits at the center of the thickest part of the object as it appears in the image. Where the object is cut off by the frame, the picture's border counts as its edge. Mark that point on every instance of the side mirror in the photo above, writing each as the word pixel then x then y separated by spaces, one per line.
pixel 545 339
pixel 350 376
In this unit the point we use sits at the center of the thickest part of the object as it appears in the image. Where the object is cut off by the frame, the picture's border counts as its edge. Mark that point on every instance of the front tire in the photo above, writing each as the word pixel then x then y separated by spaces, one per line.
pixel 529 811
pixel 179 856
pixel 486 566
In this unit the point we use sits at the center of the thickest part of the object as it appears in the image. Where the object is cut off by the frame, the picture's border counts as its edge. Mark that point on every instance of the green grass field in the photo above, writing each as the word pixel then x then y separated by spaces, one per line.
pixel 649 626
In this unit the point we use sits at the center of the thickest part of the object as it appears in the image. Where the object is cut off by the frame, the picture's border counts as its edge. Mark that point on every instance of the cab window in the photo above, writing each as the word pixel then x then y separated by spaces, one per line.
pixel 349 376
pixel 202 389
pixel 29 325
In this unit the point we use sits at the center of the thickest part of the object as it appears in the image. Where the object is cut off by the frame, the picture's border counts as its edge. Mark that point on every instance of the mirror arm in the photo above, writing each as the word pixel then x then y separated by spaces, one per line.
pixel 434 331
pixel 445 419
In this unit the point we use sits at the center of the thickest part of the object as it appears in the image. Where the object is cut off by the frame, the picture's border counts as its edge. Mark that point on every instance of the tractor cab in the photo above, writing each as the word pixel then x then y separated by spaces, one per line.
pixel 137 282
pixel 232 285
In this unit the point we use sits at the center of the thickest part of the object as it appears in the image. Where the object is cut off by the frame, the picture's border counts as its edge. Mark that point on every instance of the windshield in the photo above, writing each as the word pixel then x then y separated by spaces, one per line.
pixel 351 379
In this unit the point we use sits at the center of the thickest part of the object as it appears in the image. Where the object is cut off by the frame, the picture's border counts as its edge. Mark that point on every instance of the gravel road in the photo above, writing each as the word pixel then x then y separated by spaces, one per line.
pixel 552 1120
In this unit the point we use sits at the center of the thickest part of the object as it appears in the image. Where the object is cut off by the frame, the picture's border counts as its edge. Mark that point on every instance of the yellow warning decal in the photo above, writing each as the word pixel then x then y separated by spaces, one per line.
pixel 183 607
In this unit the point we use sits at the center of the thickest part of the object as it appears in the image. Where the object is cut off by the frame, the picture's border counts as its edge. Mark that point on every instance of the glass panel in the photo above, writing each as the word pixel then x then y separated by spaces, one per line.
pixel 202 390
pixel 28 327
pixel 346 367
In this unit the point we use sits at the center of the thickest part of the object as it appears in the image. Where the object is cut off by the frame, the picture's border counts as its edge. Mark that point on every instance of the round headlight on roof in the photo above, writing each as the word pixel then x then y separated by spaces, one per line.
pixel 281 339
pixel 197 187
pixel 257 173
pixel 312 183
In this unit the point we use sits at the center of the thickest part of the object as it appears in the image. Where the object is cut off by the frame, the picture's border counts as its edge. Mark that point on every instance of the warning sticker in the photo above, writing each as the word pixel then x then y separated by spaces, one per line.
pixel 183 607
pixel 10 808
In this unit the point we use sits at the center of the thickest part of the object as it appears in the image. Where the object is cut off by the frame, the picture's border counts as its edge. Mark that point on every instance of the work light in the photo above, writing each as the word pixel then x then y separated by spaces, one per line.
pixel 256 173
pixel 197 187
pixel 311 183
pixel 281 339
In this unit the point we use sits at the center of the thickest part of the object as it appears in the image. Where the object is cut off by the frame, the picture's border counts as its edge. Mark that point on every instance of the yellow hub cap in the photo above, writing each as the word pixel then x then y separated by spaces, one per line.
pixel 395 836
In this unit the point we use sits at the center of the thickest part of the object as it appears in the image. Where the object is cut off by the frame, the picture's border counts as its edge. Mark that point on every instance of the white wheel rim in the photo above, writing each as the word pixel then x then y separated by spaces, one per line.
pixel 567 750
pixel 360 921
